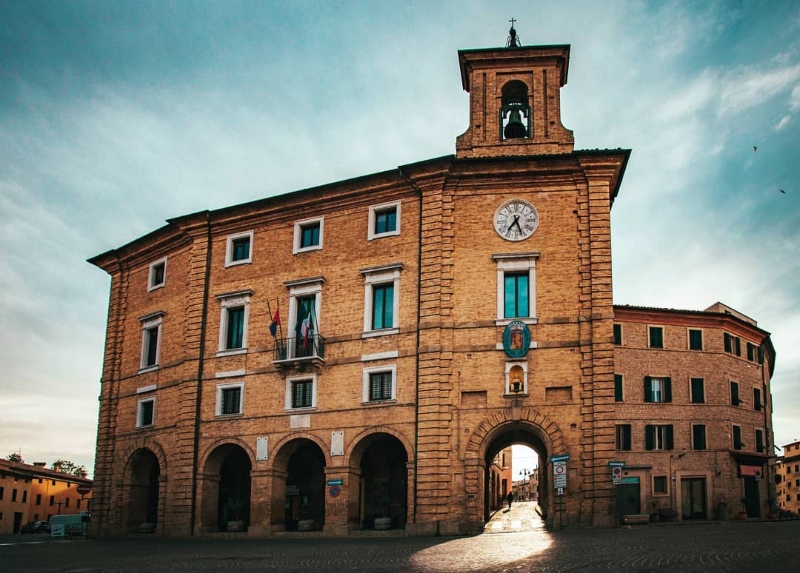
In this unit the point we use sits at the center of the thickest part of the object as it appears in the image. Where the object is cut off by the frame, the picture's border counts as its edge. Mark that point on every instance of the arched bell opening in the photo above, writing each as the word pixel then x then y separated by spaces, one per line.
pixel 383 487
pixel 515 111
pixel 143 491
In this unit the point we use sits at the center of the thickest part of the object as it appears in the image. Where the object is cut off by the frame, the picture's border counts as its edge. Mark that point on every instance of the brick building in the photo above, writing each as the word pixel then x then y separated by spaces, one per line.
pixel 694 415
pixel 368 347
pixel 787 470
pixel 35 493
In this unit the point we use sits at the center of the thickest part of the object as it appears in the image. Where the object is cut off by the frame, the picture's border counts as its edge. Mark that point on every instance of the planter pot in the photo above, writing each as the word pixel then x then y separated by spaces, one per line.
pixel 383 523
pixel 654 517
pixel 741 515
pixel 147 527
pixel 236 526
pixel 305 525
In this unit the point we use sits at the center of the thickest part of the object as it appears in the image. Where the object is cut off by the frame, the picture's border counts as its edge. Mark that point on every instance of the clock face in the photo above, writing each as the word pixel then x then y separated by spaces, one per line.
pixel 516 220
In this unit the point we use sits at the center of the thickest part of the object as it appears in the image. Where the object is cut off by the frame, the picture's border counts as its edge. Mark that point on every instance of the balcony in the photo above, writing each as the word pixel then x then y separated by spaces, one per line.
pixel 298 352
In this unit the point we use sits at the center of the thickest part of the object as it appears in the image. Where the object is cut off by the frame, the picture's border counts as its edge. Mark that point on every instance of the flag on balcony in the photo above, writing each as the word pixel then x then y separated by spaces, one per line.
pixel 276 321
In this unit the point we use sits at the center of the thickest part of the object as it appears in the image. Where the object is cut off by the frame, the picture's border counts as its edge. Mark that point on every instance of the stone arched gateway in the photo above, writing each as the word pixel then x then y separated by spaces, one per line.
pixel 518 426
pixel 142 481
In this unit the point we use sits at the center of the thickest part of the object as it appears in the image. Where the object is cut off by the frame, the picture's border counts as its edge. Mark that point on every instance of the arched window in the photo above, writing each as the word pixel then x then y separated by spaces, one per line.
pixel 515 113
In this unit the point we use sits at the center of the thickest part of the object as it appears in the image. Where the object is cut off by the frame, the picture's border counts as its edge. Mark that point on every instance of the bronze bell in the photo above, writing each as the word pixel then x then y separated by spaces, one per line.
pixel 515 129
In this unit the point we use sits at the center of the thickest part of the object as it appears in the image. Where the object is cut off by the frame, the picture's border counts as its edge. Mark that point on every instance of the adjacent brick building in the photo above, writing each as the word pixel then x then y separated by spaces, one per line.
pixel 35 493
pixel 787 470
pixel 367 348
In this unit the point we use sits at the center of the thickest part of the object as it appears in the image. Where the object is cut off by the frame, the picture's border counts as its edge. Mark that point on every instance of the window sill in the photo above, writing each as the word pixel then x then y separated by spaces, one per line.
pixel 237 263
pixel 232 352
pixel 383 235
pixel 303 410
pixel 227 416
pixel 149 369
pixel 146 427
pixel 381 332
pixel 307 249
pixel 371 403
pixel 151 288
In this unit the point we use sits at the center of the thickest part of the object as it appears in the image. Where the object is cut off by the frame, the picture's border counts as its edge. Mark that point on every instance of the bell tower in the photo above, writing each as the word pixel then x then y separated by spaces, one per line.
pixel 515 100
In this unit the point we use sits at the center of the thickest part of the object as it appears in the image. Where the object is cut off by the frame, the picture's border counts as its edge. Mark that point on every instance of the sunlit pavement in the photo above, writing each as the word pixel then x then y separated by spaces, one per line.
pixel 705 547
pixel 521 517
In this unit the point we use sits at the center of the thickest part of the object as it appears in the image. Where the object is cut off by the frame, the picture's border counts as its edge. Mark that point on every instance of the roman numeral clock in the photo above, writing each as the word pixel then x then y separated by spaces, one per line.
pixel 516 220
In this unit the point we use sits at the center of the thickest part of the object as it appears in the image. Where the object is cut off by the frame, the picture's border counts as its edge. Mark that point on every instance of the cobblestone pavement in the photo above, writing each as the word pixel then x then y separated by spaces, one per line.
pixel 521 517
pixel 731 547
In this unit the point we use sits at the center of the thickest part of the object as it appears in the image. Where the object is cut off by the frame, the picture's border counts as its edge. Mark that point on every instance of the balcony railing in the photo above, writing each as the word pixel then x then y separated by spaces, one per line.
pixel 300 349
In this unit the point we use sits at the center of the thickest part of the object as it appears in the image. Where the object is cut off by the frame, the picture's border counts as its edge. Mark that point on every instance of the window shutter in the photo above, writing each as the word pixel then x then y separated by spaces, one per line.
pixel 618 387
pixel 667 389
pixel 648 389
pixel 627 438
pixel 648 437
pixel 670 443
pixel 727 342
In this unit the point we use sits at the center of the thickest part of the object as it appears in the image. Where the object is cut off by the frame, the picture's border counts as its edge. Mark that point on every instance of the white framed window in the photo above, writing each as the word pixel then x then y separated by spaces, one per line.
pixel 239 249
pixel 380 383
pixel 381 299
pixel 384 220
pixel 308 235
pixel 157 274
pixel 516 287
pixel 657 389
pixel 301 392
pixel 151 341
pixel 234 317
pixel 516 372
pixel 230 399
pixel 146 412
pixel 305 303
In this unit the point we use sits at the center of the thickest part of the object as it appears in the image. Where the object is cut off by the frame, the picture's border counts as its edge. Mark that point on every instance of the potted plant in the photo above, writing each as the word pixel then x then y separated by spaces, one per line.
pixel 743 512
pixel 771 514
pixel 383 521
pixel 233 508
pixel 654 514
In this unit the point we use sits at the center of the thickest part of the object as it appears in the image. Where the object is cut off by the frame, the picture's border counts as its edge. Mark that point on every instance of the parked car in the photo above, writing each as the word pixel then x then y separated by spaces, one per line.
pixel 34 527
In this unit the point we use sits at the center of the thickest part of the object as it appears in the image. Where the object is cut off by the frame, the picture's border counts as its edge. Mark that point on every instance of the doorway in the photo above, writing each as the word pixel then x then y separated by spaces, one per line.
pixel 693 498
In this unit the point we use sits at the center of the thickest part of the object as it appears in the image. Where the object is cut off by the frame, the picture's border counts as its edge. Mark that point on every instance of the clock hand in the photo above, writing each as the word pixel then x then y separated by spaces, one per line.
pixel 516 222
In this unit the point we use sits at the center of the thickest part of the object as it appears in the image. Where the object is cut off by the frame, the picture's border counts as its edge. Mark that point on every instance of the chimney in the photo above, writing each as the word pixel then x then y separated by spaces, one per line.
pixel 40 464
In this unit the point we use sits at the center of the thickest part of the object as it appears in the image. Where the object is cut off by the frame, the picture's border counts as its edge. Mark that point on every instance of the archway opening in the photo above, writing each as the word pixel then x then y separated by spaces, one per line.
pixel 384 483
pixel 527 480
pixel 305 488
pixel 233 501
pixel 143 492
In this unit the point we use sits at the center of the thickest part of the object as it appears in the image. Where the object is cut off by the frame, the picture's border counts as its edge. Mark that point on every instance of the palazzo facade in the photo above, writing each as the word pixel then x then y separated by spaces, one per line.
pixel 356 355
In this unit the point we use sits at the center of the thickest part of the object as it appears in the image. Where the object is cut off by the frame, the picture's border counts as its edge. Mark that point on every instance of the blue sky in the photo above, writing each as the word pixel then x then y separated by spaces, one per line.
pixel 115 116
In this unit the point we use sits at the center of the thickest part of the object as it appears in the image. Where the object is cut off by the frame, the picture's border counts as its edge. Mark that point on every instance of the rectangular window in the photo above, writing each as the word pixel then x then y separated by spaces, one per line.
pixel 239 249
pixel 66 502
pixel 698 391
pixel 695 339
pixel 308 235
pixel 234 315
pixel 151 340
pixel 623 437
pixel 737 438
pixel 13 495
pixel 38 499
pixel 157 274
pixel 516 295
pixel 660 484
pixel 735 401
pixel 24 496
pixel 229 399
pixel 698 437
pixel 2 491
pixel 234 329
pixel 302 394
pixel 757 405
pixel 760 447
pixel 618 397
pixel 382 306
pixel 52 500
pixel 658 437
pixel 384 220
pixel 657 389
pixel 380 386
pixel 751 352
pixel 618 334
pixel 656 337
pixel 733 344
pixel 146 411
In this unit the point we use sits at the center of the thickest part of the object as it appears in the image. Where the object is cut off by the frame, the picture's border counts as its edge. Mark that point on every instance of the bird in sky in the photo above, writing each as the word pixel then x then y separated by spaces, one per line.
pixel 782 191
pixel 754 148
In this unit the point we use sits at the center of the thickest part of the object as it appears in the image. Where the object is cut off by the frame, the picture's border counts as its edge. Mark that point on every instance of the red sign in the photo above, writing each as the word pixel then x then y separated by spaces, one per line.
pixel 84 488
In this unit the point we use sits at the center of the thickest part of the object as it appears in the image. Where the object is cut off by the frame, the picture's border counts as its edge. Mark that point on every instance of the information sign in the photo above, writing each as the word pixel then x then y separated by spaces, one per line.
pixel 559 471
